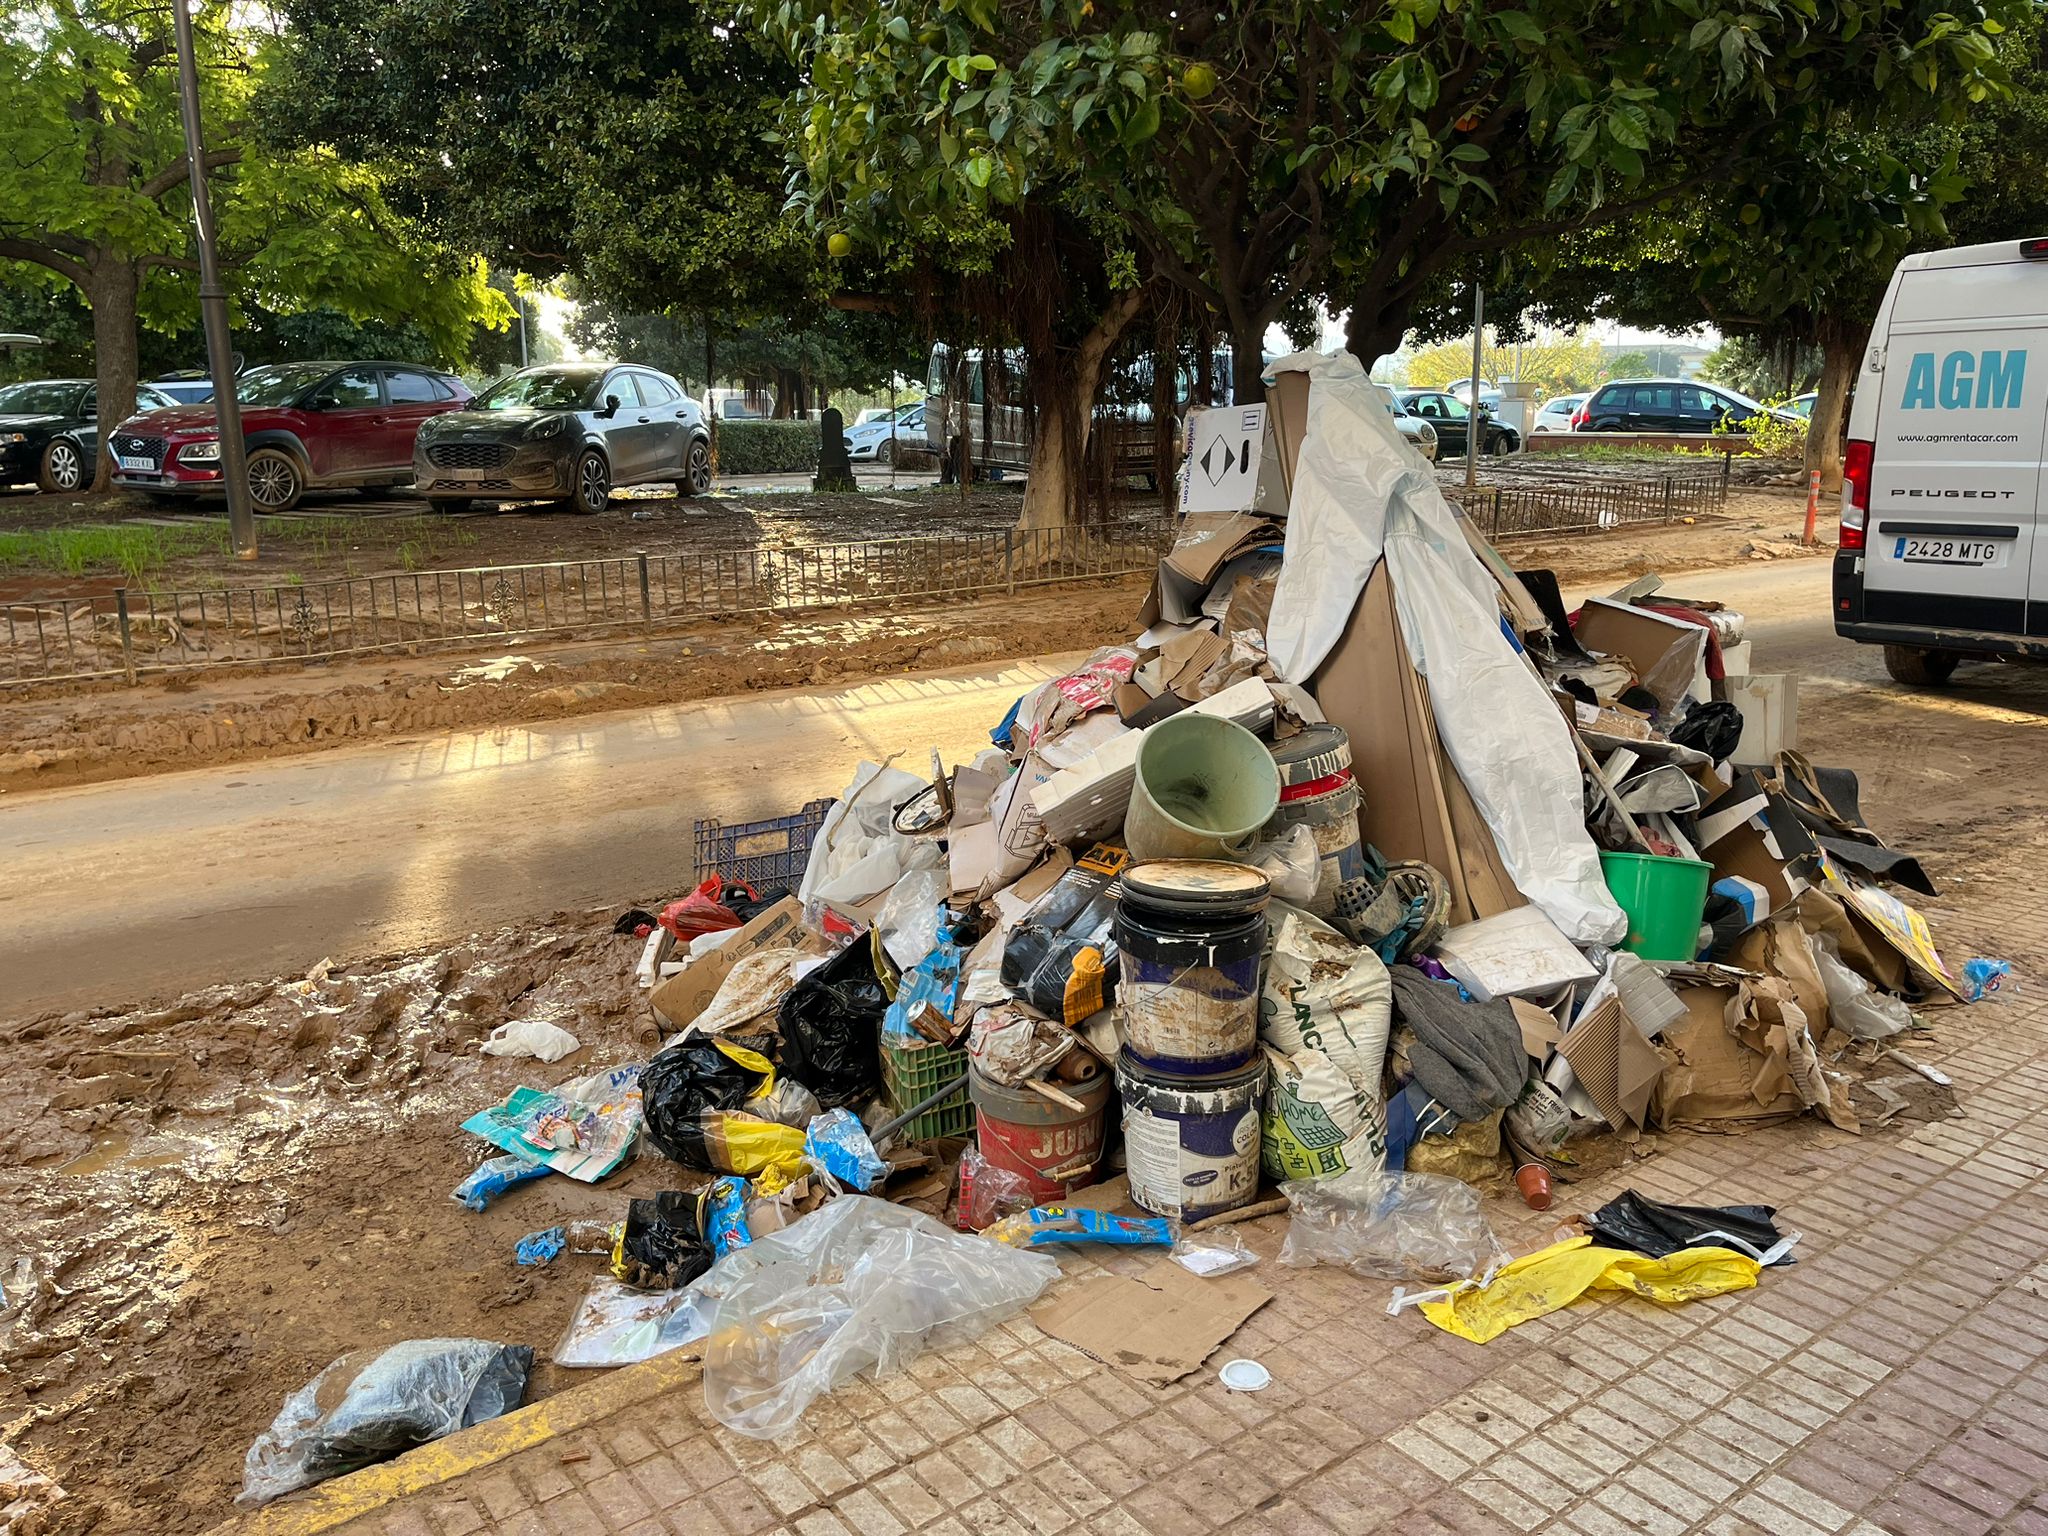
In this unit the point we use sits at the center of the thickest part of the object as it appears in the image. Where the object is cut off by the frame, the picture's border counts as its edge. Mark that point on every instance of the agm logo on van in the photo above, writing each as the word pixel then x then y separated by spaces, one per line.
pixel 1983 380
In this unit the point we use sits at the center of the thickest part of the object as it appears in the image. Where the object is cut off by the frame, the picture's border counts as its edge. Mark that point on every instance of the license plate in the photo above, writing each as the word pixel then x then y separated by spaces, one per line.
pixel 1988 553
pixel 136 462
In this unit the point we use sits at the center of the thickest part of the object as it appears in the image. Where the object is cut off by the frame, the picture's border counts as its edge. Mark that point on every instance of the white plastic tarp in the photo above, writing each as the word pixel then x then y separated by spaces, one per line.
pixel 1360 494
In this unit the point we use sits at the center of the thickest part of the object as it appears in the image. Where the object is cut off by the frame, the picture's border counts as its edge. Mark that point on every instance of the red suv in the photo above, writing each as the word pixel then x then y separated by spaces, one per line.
pixel 308 426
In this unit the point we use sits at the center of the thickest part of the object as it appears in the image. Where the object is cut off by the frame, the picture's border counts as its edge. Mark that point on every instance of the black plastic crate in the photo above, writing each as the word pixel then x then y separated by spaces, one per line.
pixel 762 853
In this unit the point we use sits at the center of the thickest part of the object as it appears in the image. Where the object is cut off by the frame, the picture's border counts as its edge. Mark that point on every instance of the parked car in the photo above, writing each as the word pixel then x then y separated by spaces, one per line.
pixel 188 386
pixel 1489 392
pixel 565 432
pixel 49 432
pixel 883 441
pixel 1418 432
pixel 1668 405
pixel 306 427
pixel 737 405
pixel 1802 405
pixel 1451 417
pixel 1556 415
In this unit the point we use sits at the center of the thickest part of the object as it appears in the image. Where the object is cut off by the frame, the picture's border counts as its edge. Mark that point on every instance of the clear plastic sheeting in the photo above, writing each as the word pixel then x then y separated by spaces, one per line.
pixel 370 1405
pixel 1400 1226
pixel 1854 1006
pixel 619 1324
pixel 858 1285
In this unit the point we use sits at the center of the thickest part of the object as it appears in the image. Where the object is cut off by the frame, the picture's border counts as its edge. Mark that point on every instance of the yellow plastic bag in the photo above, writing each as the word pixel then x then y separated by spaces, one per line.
pixel 1541 1282
pixel 737 1142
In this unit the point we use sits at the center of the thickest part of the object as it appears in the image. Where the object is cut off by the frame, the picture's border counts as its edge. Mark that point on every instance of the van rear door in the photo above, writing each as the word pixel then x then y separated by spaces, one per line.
pixel 1954 535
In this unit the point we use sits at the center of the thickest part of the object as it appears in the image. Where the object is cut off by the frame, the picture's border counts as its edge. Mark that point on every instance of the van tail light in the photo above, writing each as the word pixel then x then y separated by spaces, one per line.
pixel 1856 493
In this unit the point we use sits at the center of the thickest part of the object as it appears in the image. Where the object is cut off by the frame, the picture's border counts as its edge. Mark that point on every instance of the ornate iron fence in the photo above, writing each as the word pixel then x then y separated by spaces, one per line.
pixel 133 632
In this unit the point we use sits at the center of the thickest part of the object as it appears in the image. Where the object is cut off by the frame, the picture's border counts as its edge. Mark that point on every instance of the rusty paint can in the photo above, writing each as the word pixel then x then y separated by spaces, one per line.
pixel 1033 1137
pixel 1189 934
pixel 1191 1145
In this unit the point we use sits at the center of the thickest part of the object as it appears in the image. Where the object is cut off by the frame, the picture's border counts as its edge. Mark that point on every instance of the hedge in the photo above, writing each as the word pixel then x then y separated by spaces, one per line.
pixel 767 447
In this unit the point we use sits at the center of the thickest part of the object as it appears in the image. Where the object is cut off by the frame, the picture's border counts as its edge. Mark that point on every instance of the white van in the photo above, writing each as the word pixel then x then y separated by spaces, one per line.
pixel 1941 552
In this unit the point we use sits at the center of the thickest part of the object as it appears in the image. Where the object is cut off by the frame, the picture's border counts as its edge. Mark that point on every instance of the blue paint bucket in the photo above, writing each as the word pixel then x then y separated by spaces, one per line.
pixel 1191 1145
pixel 1189 935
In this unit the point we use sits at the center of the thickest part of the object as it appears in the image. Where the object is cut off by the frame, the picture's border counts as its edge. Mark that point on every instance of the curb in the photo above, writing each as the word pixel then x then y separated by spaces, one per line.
pixel 343 1499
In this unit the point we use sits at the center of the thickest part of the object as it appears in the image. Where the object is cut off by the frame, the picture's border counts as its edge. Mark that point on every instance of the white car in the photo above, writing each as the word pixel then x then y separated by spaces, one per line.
pixel 1556 415
pixel 883 441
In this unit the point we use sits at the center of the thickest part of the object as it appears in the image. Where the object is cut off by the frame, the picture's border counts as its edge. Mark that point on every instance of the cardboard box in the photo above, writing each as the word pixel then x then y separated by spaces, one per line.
pixel 1287 410
pixel 1662 653
pixel 1718 1076
pixel 1220 468
pixel 678 1001
pixel 1208 542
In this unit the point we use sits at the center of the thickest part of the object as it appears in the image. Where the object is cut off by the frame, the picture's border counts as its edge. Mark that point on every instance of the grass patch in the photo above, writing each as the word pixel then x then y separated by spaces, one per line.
pixel 135 552
pixel 1629 453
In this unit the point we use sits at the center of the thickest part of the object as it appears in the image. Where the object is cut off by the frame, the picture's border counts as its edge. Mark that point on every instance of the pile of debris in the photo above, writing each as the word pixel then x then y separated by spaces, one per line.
pixel 1365 876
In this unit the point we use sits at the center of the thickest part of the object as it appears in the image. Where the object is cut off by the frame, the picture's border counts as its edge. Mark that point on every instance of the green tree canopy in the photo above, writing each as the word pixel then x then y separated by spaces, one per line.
pixel 94 193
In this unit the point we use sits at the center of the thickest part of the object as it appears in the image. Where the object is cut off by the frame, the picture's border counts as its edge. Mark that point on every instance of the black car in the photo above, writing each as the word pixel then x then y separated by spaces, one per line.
pixel 565 432
pixel 1452 417
pixel 1668 405
pixel 49 431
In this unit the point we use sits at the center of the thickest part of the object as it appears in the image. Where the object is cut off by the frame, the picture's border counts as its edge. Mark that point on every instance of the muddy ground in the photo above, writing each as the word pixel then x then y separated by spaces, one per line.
pixel 72 733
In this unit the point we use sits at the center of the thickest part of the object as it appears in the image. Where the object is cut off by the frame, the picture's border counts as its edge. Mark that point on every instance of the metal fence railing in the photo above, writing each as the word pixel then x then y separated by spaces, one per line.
pixel 1599 501
pixel 132 632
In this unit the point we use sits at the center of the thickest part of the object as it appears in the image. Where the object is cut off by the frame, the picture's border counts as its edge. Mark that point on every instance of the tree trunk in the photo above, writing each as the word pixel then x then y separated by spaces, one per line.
pixel 1841 344
pixel 112 295
pixel 1248 362
pixel 1064 385
pixel 1375 330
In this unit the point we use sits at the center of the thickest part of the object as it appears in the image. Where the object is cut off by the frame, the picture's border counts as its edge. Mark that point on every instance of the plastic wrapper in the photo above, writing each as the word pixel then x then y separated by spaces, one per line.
pixel 1044 1226
pixel 703 910
pixel 530 1037
pixel 1417 1226
pixel 661 1245
pixel 932 981
pixel 722 1215
pixel 542 1247
pixel 368 1406
pixel 988 1193
pixel 912 913
pixel 837 1145
pixel 857 853
pixel 831 1025
pixel 1854 1006
pixel 618 1325
pixel 734 1141
pixel 1291 863
pixel 787 1103
pixel 859 1285
pixel 492 1177
pixel 1220 1252
pixel 686 1083
pixel 1989 981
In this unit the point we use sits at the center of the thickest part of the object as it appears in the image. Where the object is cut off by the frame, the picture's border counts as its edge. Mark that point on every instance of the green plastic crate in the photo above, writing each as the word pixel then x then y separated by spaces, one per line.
pixel 914 1072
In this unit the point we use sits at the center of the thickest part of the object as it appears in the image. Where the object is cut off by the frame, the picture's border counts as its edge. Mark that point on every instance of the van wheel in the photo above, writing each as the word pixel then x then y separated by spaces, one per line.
pixel 1917 668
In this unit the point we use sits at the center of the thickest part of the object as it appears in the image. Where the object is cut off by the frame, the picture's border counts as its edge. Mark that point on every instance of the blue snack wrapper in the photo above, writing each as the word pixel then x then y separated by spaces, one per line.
pixel 492 1178
pixel 838 1143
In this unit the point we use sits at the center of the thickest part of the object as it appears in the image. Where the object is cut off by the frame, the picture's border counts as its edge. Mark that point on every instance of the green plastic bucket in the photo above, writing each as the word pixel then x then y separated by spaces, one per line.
pixel 1664 899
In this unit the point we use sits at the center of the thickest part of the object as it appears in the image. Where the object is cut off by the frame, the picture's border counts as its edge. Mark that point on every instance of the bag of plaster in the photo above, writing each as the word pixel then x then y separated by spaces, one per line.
pixel 1325 1007
pixel 1419 1226
pixel 1316 1122
pixel 372 1404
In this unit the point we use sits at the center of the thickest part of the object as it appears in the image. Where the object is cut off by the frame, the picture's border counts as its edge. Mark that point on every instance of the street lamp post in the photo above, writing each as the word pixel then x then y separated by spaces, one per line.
pixel 1472 408
pixel 213 303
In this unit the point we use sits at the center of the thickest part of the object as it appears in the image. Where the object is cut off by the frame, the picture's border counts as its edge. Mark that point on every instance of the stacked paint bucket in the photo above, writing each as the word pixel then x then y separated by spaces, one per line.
pixel 1316 788
pixel 1190 933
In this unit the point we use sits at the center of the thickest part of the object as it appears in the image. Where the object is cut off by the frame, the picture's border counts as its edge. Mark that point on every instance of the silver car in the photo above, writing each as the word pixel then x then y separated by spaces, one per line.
pixel 568 433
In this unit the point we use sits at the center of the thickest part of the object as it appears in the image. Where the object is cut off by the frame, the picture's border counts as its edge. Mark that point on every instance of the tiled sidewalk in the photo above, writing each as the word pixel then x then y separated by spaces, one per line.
pixel 1895 1379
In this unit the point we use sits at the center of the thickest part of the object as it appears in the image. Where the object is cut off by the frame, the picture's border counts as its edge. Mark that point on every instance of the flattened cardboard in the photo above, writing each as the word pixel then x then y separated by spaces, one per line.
pixel 1208 542
pixel 1157 1327
pixel 1183 659
pixel 1287 413
pixel 1540 1031
pixel 1614 1063
pixel 678 1001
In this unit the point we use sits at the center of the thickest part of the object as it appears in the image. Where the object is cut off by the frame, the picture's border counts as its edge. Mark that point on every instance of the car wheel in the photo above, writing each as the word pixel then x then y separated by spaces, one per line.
pixel 885 452
pixel 63 468
pixel 275 484
pixel 697 475
pixel 1919 668
pixel 593 483
pixel 1499 445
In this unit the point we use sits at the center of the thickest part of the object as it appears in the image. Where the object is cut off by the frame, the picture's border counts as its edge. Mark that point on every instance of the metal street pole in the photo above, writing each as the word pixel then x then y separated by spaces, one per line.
pixel 1472 409
pixel 213 304
pixel 521 297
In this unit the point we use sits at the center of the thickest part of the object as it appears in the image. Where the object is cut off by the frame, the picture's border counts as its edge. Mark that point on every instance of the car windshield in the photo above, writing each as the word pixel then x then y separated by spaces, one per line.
pixel 279 386
pixel 549 389
pixel 46 398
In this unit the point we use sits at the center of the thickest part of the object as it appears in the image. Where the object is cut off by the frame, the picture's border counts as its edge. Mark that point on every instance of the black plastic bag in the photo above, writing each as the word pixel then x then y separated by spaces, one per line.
pixel 683 1082
pixel 1710 728
pixel 369 1405
pixel 662 1246
pixel 1630 1220
pixel 831 1025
